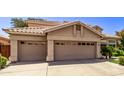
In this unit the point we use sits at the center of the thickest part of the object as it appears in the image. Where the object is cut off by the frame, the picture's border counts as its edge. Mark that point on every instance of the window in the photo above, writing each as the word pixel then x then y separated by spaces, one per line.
pixel 56 43
pixel 111 41
pixel 88 43
pixel 112 45
pixel 79 43
pixel 92 44
pixel 22 42
pixel 62 44
pixel 83 43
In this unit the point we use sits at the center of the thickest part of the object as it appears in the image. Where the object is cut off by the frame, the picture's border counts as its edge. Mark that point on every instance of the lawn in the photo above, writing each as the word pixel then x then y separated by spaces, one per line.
pixel 114 61
pixel 119 60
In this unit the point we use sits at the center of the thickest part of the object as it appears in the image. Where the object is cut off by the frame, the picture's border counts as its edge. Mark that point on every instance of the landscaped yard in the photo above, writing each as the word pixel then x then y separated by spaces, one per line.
pixel 119 60
pixel 116 55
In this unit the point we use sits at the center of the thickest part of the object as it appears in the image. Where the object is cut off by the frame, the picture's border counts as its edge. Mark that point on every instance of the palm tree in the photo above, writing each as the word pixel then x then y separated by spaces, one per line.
pixel 121 34
pixel 18 22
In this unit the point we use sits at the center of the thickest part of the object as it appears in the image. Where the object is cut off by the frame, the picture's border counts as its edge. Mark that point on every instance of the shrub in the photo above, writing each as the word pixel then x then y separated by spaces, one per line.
pixel 3 61
pixel 118 52
pixel 115 54
pixel 121 60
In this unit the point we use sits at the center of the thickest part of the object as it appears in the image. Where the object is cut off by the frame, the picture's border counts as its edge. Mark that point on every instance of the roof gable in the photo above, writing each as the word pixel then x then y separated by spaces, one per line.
pixel 70 24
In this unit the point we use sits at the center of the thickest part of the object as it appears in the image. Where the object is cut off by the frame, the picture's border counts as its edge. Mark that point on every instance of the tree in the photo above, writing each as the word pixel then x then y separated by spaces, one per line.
pixel 18 22
pixel 121 34
pixel 111 50
pixel 107 51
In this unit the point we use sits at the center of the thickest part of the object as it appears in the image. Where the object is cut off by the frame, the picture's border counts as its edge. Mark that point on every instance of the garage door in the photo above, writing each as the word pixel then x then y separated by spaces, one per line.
pixel 32 51
pixel 66 50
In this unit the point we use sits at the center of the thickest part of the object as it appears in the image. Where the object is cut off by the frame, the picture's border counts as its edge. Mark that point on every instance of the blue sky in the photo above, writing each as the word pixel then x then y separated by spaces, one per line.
pixel 109 24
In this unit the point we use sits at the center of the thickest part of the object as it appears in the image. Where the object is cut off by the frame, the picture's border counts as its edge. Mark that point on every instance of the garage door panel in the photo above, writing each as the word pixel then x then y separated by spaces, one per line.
pixel 73 50
pixel 31 51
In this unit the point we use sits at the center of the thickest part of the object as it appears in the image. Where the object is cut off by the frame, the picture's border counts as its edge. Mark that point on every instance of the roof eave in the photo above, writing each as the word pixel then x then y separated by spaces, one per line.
pixel 23 33
pixel 112 37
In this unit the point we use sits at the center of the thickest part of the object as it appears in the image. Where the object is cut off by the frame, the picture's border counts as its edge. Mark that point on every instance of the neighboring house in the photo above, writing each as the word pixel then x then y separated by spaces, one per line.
pixel 107 40
pixel 4 46
pixel 51 41
pixel 110 40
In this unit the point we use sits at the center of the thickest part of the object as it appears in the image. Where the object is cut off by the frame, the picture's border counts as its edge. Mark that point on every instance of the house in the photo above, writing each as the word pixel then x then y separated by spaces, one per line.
pixel 110 40
pixel 51 41
pixel 4 46
pixel 107 40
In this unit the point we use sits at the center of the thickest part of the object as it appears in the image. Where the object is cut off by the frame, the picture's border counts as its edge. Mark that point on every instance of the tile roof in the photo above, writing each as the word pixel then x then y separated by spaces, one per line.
pixel 4 37
pixel 35 30
pixel 40 31
pixel 110 36
pixel 4 40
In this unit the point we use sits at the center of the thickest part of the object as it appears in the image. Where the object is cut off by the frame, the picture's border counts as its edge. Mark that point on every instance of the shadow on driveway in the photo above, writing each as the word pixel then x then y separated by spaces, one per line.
pixel 27 63
pixel 62 62
pixel 85 61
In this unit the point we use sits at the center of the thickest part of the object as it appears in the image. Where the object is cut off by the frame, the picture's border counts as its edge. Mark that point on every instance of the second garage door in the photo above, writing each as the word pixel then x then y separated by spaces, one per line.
pixel 32 51
pixel 68 50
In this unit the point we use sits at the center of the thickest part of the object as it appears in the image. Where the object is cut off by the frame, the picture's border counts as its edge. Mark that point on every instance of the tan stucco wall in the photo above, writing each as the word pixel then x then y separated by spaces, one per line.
pixel 98 50
pixel 68 34
pixel 14 50
pixel 50 50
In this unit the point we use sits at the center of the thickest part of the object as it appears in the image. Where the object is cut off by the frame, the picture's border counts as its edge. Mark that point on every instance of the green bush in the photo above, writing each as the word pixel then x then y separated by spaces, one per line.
pixel 3 61
pixel 115 54
pixel 121 60
pixel 118 52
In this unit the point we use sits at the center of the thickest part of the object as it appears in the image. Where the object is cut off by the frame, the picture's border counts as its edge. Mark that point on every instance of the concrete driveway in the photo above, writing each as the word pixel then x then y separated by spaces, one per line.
pixel 25 69
pixel 86 68
pixel 65 68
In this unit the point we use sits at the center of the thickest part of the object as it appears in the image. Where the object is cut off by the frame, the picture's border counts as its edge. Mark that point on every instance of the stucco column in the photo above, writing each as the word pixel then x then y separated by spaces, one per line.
pixel 98 50
pixel 14 50
pixel 50 50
